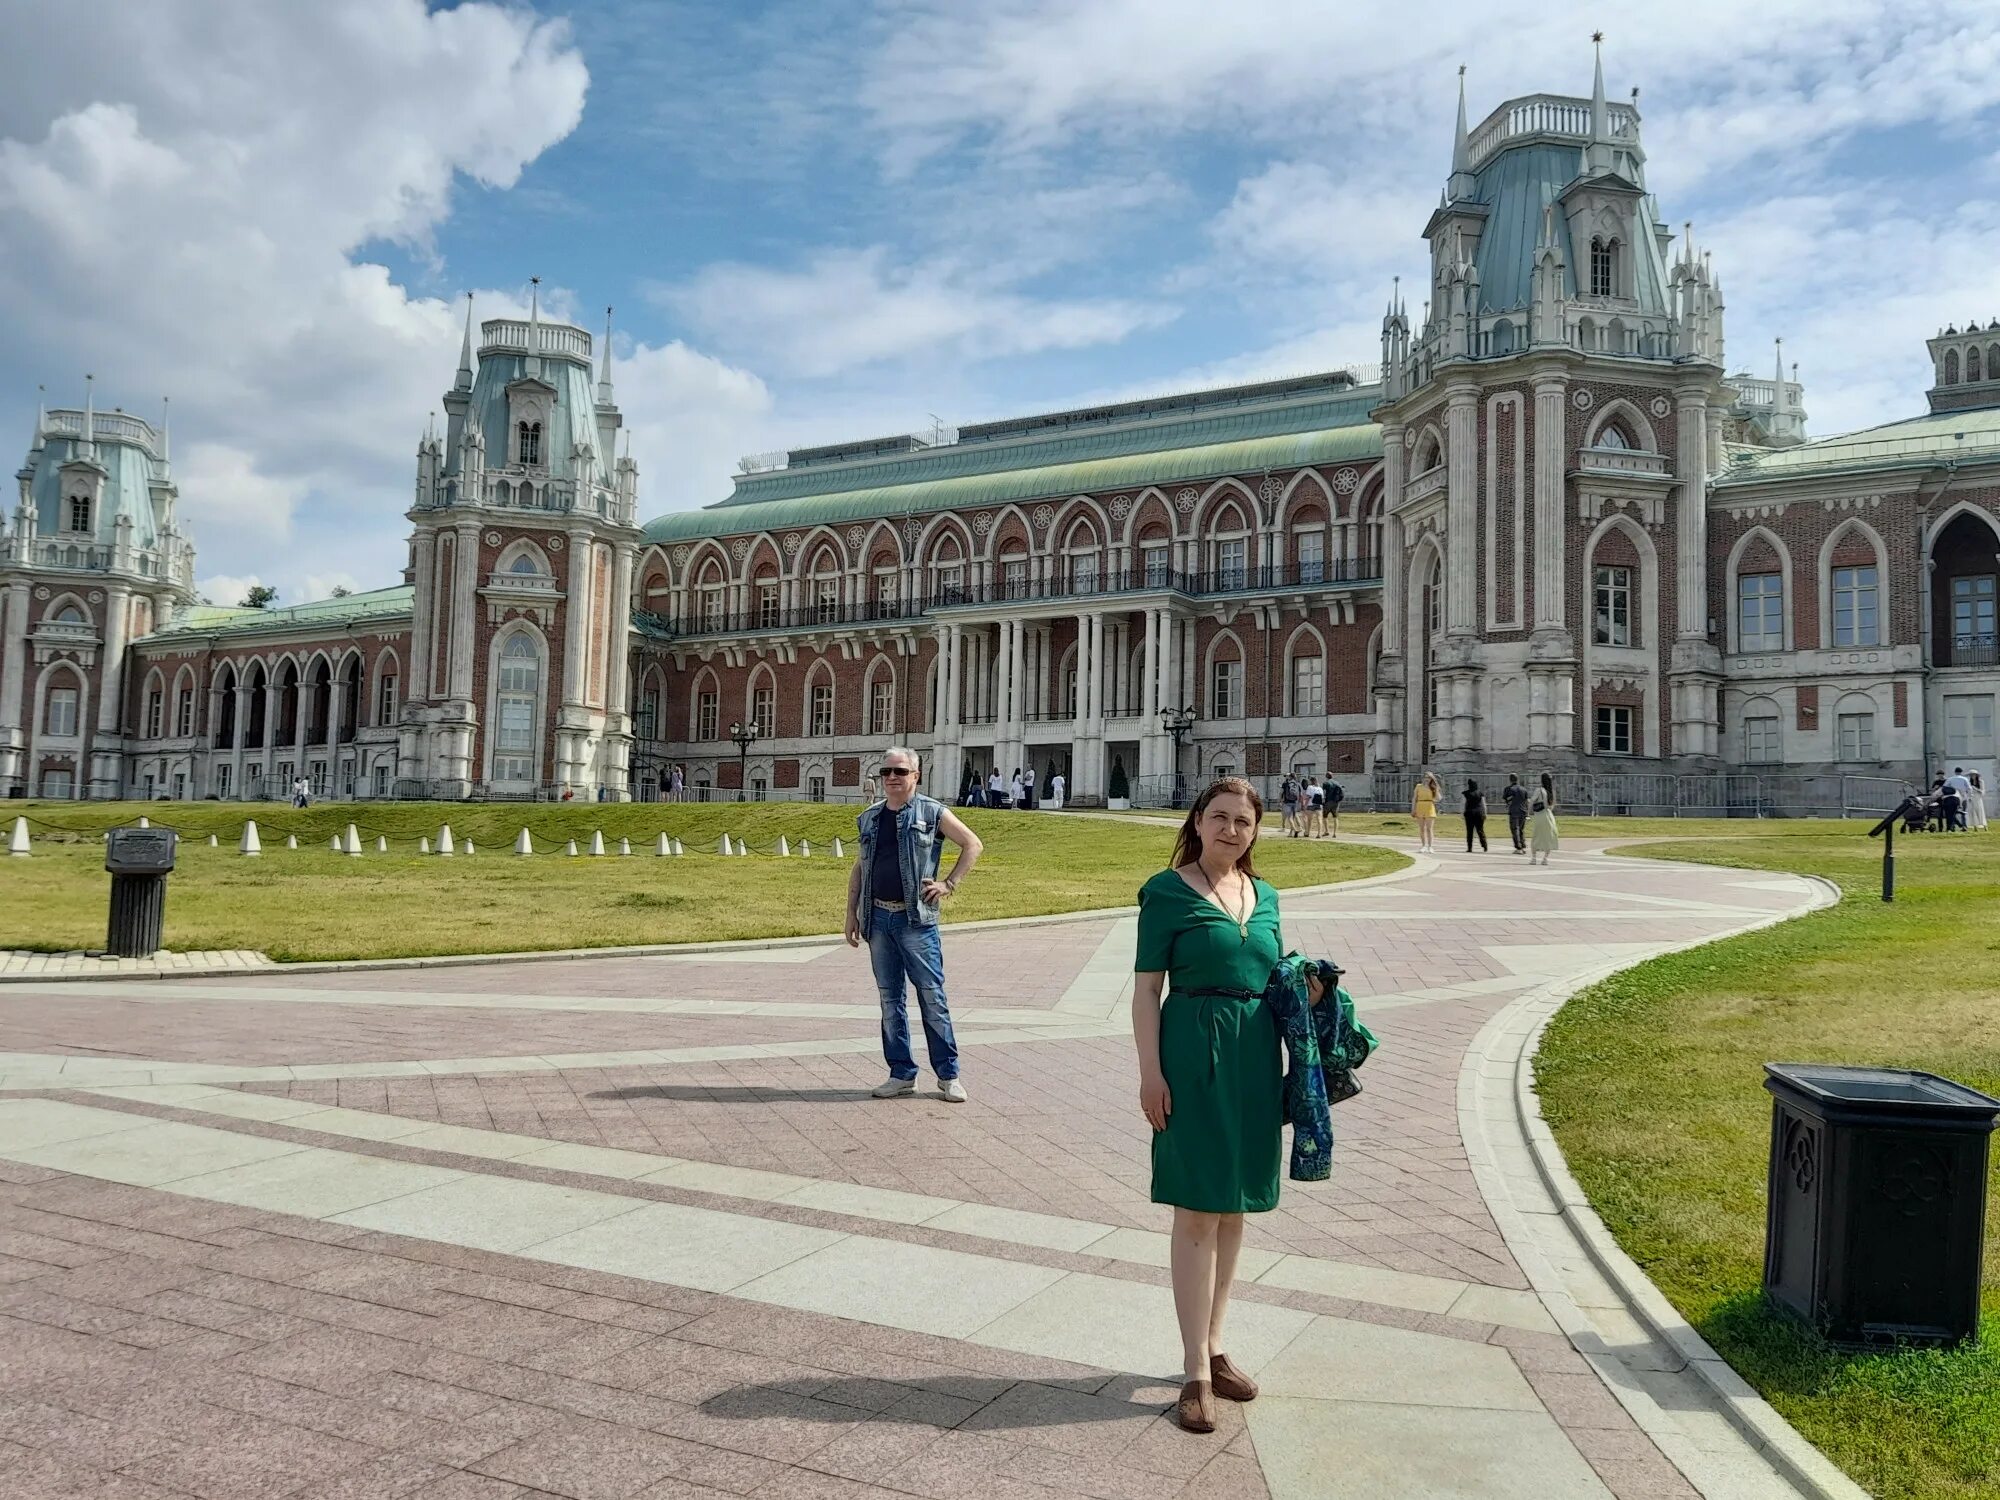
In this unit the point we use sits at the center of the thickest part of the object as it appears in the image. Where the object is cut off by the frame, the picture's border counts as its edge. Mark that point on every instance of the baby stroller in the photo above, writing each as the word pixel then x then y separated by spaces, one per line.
pixel 1917 815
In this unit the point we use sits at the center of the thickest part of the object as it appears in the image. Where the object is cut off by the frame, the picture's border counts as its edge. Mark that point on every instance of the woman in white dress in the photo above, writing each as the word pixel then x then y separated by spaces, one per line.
pixel 1975 809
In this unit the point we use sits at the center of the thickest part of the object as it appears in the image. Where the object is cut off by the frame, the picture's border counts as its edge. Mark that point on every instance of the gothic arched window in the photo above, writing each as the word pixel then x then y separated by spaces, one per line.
pixel 1951 367
pixel 1603 267
pixel 79 513
pixel 1613 436
pixel 1972 363
pixel 1993 363
pixel 531 442
pixel 518 711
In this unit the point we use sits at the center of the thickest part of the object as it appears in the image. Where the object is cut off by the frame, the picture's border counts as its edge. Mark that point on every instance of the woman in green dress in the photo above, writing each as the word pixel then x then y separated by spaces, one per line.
pixel 1210 1077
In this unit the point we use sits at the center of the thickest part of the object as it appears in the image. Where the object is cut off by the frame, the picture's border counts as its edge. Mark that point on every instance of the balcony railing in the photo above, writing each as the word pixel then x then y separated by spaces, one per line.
pixel 1622 461
pixel 1971 651
pixel 838 615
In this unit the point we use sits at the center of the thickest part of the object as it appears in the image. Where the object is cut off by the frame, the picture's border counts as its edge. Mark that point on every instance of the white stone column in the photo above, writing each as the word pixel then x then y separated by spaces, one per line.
pixel 1691 529
pixel 464 607
pixel 417 681
pixel 1461 538
pixel 111 679
pixel 1120 688
pixel 1017 681
pixel 1392 540
pixel 1551 604
pixel 14 707
pixel 577 617
pixel 1149 702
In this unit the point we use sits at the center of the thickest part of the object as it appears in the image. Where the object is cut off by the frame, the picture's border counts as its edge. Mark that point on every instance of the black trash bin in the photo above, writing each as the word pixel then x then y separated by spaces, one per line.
pixel 1877 1214
pixel 140 860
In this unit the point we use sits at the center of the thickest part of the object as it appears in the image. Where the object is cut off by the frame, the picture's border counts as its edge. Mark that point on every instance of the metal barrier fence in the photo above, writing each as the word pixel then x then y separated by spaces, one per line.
pixel 1633 794
pixel 1872 796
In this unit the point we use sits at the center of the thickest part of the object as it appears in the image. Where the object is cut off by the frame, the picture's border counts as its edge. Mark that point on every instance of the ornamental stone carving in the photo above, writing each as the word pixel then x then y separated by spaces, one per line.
pixel 912 530
pixel 1660 406
pixel 1121 507
pixel 1345 481
pixel 1044 517
pixel 793 541
pixel 492 538
pixel 740 548
pixel 41 593
pixel 555 544
pixel 856 535
pixel 983 522
pixel 1583 400
pixel 97 596
pixel 1270 489
pixel 681 555
pixel 1184 501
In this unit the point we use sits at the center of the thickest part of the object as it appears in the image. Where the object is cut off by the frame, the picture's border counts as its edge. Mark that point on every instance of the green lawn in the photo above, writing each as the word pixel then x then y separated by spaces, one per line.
pixel 1652 1082
pixel 310 903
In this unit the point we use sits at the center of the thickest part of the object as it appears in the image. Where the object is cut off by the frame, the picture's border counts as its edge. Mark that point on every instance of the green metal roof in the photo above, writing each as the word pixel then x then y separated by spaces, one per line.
pixel 350 609
pixel 921 493
pixel 1934 437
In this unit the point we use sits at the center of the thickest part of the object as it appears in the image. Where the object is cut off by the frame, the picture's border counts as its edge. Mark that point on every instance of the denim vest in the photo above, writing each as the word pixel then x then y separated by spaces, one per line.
pixel 918 846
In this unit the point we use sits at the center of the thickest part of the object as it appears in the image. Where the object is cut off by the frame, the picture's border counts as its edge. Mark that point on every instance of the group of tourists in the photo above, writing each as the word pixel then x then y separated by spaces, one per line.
pixel 1954 804
pixel 1016 791
pixel 1311 806
pixel 1217 1008
pixel 1531 816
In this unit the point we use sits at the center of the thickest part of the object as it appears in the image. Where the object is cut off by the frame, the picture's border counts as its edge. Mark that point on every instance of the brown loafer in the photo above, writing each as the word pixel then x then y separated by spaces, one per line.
pixel 1230 1383
pixel 1196 1409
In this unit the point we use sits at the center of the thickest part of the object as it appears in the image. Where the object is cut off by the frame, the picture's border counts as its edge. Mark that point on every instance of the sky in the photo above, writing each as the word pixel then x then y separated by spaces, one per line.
pixel 820 220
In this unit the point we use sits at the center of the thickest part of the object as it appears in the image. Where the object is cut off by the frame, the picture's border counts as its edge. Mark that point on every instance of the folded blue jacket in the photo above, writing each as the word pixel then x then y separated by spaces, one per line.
pixel 1324 1044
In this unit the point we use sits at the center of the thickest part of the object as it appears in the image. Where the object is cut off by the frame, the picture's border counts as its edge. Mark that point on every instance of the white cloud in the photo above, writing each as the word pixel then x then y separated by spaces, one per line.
pixel 691 418
pixel 181 213
pixel 230 588
pixel 847 309
pixel 322 585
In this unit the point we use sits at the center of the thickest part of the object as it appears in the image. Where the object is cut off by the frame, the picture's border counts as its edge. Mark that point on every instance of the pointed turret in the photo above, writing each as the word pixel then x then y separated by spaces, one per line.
pixel 166 452
pixel 89 417
pixel 41 417
pixel 464 381
pixel 534 362
pixel 604 366
pixel 1460 185
pixel 1598 154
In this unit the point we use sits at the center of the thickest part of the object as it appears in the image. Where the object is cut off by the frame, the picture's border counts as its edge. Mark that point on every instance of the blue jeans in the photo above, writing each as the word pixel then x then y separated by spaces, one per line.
pixel 904 955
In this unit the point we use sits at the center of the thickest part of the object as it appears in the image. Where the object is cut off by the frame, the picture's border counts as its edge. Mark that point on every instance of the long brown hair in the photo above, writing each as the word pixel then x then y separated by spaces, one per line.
pixel 1187 844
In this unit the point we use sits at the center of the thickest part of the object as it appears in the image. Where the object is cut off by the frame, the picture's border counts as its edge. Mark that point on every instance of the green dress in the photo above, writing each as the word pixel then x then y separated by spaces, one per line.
pixel 1225 1079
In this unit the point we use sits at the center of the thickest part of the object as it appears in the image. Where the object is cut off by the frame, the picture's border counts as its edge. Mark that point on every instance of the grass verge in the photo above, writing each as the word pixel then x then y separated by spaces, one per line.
pixel 310 903
pixel 1653 1084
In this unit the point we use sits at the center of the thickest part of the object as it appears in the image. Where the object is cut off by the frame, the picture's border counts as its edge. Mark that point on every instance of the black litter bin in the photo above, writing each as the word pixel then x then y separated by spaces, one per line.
pixel 139 859
pixel 1877 1214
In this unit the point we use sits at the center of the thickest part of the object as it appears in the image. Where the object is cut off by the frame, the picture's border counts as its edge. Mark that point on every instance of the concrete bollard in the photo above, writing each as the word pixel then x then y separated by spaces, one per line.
pixel 291 841
pixel 424 844
pixel 679 848
pixel 250 845
pixel 352 843
pixel 523 844
pixel 381 844
pixel 664 846
pixel 597 841
pixel 17 841
pixel 624 846
pixel 838 851
pixel 570 848
pixel 144 821
pixel 335 845
pixel 805 849
pixel 784 847
pixel 468 848
pixel 211 841
pixel 444 841
pixel 725 847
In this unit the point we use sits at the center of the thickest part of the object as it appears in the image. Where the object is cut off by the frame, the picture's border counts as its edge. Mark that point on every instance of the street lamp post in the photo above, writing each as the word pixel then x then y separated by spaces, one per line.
pixel 745 736
pixel 1178 722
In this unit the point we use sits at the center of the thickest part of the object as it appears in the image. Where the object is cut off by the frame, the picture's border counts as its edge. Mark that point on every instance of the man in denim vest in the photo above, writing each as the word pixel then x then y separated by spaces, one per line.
pixel 893 897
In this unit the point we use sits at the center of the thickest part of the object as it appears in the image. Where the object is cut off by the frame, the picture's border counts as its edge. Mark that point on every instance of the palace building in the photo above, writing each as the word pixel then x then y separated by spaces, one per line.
pixel 1549 532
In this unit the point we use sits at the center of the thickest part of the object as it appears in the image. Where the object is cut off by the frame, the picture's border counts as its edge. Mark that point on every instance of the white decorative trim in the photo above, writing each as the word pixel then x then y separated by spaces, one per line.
pixel 1582 400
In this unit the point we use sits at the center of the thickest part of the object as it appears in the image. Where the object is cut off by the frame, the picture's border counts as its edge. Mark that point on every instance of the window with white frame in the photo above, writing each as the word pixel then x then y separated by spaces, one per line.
pixel 1972 606
pixel 1434 598
pixel 79 513
pixel 1968 724
pixel 1014 577
pixel 1309 547
pixel 950 583
pixel 882 706
pixel 1603 267
pixel 1308 685
pixel 184 711
pixel 819 717
pixel 1083 573
pixel 1232 563
pixel 379 778
pixel 764 709
pixel 154 713
pixel 385 699
pixel 888 593
pixel 1762 743
pixel 222 779
pixel 816 789
pixel 59 786
pixel 1612 616
pixel 1156 556
pixel 519 697
pixel 826 598
pixel 767 606
pixel 1855 621
pixel 1225 690
pixel 530 437
pixel 713 602
pixel 1614 729
pixel 1069 692
pixel 1855 735
pixel 59 716
pixel 1760 612
pixel 707 715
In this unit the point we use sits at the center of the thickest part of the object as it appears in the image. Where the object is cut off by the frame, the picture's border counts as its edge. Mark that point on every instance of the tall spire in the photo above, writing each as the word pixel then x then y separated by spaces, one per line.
pixel 90 416
pixel 166 451
pixel 1778 374
pixel 1600 112
pixel 1461 185
pixel 464 381
pixel 604 369
pixel 534 325
pixel 41 415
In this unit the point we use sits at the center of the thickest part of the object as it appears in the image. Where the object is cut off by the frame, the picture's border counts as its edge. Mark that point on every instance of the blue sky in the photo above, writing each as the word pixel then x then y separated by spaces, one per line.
pixel 842 218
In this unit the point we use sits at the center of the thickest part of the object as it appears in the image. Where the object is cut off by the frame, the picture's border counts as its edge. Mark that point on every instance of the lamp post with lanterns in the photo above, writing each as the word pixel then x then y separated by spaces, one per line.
pixel 745 736
pixel 1178 722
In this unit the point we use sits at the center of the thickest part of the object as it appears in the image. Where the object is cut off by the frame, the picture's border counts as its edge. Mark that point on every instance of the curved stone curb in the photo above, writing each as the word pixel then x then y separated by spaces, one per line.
pixel 1503 1054
pixel 1419 865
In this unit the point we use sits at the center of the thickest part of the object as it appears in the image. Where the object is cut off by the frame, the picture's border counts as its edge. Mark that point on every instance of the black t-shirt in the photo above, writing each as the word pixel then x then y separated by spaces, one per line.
pixel 1334 793
pixel 887 871
pixel 1517 800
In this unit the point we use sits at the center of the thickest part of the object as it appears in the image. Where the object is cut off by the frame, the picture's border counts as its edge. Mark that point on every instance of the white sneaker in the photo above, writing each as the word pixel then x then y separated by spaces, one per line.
pixel 951 1091
pixel 895 1088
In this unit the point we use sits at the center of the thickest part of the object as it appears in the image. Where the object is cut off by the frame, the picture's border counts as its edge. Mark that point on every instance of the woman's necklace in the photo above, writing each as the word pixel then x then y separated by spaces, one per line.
pixel 1240 917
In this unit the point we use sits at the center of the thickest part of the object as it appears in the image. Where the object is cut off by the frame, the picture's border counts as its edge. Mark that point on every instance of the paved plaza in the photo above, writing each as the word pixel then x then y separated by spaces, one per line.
pixel 629 1226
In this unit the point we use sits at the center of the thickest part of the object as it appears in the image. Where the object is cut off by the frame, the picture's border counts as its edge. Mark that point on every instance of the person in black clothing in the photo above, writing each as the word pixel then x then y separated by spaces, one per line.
pixel 1516 798
pixel 1475 817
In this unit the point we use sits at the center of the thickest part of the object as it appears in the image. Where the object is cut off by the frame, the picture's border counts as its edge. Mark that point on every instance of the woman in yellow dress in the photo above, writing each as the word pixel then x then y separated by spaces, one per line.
pixel 1424 808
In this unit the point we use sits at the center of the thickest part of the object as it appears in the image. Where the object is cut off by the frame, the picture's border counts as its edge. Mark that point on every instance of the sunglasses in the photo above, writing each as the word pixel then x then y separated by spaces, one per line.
pixel 896 771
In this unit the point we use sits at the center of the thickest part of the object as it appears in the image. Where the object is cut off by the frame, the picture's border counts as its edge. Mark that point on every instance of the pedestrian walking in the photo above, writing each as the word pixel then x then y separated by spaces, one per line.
pixel 1210 1083
pixel 996 789
pixel 867 791
pixel 1335 795
pixel 1288 799
pixel 1058 790
pixel 1315 808
pixel 1475 817
pixel 893 896
pixel 1960 786
pixel 1424 808
pixel 1976 800
pixel 1017 790
pixel 1542 834
pixel 1549 791
pixel 1516 798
